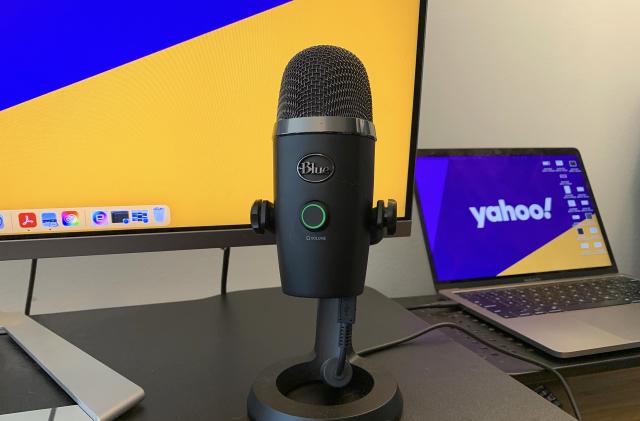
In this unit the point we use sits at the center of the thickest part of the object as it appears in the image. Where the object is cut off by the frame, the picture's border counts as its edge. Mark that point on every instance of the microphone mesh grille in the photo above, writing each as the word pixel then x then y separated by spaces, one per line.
pixel 325 81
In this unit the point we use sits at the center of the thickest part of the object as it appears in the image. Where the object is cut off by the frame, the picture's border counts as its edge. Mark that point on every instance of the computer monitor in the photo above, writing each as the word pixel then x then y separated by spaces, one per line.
pixel 146 126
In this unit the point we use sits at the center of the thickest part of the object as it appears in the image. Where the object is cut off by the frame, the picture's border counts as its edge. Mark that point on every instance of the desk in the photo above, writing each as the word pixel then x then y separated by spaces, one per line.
pixel 196 360
pixel 606 386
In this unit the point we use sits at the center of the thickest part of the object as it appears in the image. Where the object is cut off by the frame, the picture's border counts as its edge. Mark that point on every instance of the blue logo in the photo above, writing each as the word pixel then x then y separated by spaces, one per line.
pixel 1 222
pixel 100 218
pixel 49 219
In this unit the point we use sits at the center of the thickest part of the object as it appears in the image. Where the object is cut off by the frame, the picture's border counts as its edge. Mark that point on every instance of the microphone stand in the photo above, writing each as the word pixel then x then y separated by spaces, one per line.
pixel 331 383
pixel 333 348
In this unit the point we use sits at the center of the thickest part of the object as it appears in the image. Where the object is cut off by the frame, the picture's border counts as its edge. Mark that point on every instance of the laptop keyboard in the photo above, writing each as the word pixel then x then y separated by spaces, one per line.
pixel 553 298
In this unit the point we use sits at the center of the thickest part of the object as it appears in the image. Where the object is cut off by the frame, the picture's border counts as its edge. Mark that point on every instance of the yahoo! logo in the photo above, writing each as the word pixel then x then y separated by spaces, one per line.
pixel 507 213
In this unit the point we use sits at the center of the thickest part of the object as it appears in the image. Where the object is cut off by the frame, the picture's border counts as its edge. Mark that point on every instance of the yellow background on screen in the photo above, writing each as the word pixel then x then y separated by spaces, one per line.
pixel 564 252
pixel 191 126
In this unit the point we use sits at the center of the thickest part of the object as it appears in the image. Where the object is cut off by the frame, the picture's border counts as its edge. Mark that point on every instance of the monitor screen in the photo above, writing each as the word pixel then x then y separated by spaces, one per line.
pixel 120 117
pixel 489 216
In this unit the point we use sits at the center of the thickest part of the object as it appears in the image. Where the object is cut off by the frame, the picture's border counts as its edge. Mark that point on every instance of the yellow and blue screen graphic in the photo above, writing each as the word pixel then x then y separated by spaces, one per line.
pixel 168 108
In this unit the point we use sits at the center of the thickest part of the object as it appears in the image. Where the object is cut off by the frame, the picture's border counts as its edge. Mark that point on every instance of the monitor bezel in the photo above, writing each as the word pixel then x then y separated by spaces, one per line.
pixel 512 279
pixel 30 246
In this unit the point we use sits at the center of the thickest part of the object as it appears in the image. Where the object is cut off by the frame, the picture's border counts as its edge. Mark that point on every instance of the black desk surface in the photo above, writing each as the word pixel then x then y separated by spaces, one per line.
pixel 524 371
pixel 197 359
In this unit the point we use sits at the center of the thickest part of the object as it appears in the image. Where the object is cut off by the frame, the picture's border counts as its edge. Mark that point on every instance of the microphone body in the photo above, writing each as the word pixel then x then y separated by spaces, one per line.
pixel 324 223
pixel 323 196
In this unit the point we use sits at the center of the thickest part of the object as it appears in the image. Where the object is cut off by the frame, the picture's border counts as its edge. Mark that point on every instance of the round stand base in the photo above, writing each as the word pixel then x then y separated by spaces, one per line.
pixel 287 391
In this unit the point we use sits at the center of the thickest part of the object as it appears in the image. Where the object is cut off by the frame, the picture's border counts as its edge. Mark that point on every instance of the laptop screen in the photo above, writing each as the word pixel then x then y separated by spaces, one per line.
pixel 491 216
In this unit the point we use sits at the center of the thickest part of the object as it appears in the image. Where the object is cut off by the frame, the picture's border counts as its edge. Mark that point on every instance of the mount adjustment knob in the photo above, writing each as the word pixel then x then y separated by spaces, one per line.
pixel 262 216
pixel 383 217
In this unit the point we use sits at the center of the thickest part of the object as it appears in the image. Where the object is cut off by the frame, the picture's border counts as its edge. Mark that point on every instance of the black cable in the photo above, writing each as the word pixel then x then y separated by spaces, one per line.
pixel 565 385
pixel 342 361
pixel 32 281
pixel 226 253
pixel 435 304
pixel 346 318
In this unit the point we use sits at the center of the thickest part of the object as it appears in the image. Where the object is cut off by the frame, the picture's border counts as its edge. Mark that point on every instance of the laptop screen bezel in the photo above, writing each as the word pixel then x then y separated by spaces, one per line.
pixel 511 279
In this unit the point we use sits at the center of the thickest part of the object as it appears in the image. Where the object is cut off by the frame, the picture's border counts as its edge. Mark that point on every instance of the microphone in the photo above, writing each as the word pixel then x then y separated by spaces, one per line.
pixel 324 223
pixel 324 169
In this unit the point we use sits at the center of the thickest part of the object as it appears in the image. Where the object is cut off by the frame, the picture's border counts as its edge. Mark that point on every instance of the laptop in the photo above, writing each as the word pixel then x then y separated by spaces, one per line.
pixel 515 237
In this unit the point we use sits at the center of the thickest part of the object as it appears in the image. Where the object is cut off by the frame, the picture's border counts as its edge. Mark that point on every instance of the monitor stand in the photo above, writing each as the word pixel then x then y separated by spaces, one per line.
pixel 102 393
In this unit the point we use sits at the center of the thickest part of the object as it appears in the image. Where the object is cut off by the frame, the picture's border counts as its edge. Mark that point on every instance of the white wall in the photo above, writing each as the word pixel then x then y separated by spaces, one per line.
pixel 497 73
